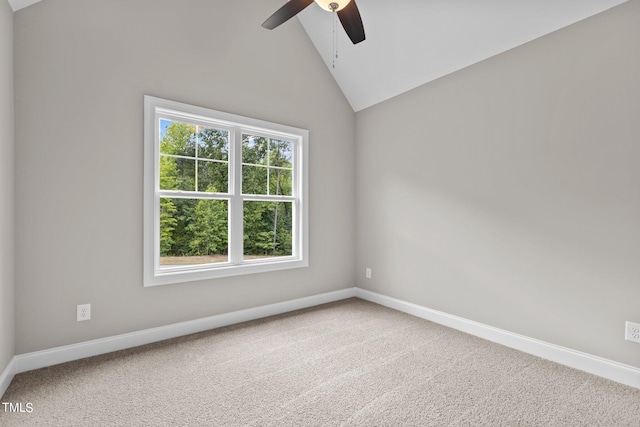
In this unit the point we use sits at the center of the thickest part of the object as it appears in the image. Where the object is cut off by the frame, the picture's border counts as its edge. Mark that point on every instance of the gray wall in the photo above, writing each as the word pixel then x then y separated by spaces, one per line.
pixel 508 193
pixel 505 193
pixel 82 68
pixel 7 283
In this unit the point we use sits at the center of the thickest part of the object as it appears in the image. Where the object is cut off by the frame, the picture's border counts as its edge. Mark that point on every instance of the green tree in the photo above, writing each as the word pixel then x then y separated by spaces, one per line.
pixel 258 236
pixel 168 180
pixel 179 140
pixel 213 158
pixel 191 226
pixel 167 226
pixel 185 226
pixel 267 228
pixel 176 174
pixel 267 170
pixel 210 227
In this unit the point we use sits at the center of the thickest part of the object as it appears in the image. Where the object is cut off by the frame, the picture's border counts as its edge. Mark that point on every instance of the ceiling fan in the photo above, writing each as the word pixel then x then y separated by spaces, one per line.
pixel 347 11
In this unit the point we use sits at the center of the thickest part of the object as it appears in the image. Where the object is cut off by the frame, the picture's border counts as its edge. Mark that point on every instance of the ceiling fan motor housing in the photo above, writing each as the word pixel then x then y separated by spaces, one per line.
pixel 332 5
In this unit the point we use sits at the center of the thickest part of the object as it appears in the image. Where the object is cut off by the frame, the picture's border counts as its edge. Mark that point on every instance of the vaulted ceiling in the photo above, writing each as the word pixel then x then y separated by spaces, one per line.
pixel 412 42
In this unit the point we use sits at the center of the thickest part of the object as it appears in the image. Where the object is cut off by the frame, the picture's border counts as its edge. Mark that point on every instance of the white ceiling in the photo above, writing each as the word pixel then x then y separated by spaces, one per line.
pixel 19 4
pixel 412 42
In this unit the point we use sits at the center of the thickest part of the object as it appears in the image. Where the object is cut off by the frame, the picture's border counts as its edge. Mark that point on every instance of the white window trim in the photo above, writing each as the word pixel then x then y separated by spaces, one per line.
pixel 152 272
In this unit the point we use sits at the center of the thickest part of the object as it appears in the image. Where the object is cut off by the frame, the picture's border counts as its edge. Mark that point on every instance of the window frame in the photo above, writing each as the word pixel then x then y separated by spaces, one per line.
pixel 156 109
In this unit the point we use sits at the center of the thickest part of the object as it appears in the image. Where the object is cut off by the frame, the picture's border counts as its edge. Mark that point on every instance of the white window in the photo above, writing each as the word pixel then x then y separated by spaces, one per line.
pixel 224 194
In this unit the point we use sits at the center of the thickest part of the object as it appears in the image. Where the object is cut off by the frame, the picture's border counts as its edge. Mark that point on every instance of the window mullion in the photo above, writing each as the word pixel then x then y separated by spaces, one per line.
pixel 268 166
pixel 236 226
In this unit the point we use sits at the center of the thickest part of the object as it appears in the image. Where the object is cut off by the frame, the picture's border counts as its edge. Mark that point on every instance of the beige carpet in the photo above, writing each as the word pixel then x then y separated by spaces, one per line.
pixel 349 363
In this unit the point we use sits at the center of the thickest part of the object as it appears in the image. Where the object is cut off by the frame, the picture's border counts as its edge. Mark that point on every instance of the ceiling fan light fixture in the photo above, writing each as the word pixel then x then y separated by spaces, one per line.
pixel 329 5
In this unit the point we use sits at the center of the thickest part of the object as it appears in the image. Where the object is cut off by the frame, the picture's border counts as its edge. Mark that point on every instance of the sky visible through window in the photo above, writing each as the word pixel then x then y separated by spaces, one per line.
pixel 164 124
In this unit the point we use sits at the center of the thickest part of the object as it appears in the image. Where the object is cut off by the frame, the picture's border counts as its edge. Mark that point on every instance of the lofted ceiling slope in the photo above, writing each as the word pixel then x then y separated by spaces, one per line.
pixel 412 42
pixel 21 4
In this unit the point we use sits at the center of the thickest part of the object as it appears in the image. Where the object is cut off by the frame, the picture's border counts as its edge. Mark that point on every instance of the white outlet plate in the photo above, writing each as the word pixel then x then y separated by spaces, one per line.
pixel 632 332
pixel 367 273
pixel 84 312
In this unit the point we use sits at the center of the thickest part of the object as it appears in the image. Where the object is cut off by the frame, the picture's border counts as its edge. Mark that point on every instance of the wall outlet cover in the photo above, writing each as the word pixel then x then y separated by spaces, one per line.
pixel 83 312
pixel 632 332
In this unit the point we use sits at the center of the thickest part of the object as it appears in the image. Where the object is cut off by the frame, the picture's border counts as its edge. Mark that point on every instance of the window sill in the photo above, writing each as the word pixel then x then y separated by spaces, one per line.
pixel 167 276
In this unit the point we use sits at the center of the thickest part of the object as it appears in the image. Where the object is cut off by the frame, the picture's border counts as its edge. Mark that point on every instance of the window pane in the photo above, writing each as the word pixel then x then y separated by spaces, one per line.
pixel 168 173
pixel 193 231
pixel 281 153
pixel 268 229
pixel 177 138
pixel 213 177
pixel 254 150
pixel 186 174
pixel 254 179
pixel 177 173
pixel 280 182
pixel 213 144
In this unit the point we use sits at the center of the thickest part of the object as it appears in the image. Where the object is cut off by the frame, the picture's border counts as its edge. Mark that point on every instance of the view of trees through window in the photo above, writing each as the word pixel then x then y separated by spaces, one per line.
pixel 196 195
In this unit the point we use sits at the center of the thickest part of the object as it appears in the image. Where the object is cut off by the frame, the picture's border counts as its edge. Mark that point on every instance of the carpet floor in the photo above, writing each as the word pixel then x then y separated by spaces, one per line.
pixel 348 363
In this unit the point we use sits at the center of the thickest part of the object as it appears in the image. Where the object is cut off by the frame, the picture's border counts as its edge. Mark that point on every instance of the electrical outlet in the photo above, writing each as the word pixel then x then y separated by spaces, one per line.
pixel 367 273
pixel 84 312
pixel 632 332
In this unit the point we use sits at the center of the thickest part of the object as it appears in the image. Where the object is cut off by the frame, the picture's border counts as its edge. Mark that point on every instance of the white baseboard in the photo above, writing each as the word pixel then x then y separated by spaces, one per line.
pixel 7 376
pixel 618 372
pixel 609 369
pixel 54 356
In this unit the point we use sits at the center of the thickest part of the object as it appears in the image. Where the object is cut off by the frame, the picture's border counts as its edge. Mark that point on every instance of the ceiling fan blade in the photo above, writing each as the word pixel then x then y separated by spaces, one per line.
pixel 352 22
pixel 286 12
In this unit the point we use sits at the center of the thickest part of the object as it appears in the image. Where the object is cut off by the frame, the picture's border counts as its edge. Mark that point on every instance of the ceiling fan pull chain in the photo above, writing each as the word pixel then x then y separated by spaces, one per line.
pixel 334 8
pixel 335 40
